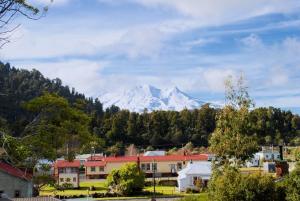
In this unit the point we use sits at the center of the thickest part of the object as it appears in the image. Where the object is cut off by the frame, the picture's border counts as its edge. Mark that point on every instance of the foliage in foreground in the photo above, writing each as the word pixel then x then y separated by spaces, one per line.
pixel 127 180
pixel 290 186
pixel 231 185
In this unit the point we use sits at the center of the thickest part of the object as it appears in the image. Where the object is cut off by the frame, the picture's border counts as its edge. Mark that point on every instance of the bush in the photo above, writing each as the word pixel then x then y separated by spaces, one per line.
pixel 191 190
pixel 190 198
pixel 66 186
pixel 292 185
pixel 231 185
pixel 167 182
pixel 127 180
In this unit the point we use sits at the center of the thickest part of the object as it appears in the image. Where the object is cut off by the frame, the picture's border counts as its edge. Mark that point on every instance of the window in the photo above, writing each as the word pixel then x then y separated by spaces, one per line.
pixel 74 179
pixel 93 169
pixel 101 169
pixel 179 166
pixel 61 179
pixel 148 167
pixel 61 170
pixel 143 166
pixel 68 180
pixel 154 166
pixel 17 193
pixel 173 168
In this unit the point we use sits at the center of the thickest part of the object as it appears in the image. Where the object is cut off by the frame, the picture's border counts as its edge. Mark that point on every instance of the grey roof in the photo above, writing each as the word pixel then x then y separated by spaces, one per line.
pixel 36 199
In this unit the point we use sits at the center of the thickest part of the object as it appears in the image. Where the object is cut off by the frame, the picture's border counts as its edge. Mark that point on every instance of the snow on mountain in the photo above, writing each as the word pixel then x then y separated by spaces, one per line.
pixel 140 97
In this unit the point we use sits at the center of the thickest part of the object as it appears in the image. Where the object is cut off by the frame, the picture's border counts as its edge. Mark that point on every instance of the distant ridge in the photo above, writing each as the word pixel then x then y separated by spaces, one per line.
pixel 138 98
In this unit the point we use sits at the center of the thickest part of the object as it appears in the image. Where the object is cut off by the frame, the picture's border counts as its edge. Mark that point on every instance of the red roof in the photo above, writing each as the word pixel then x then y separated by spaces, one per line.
pixel 14 171
pixel 64 163
pixel 94 163
pixel 121 159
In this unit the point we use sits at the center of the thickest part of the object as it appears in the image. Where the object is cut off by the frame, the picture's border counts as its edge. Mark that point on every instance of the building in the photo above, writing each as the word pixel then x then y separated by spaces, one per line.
pixel 254 161
pixel 67 172
pixel 14 182
pixel 164 166
pixel 194 175
pixel 268 155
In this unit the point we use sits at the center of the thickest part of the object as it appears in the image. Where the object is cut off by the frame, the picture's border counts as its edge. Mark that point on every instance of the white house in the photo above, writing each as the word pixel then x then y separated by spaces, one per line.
pixel 268 155
pixel 254 161
pixel 193 173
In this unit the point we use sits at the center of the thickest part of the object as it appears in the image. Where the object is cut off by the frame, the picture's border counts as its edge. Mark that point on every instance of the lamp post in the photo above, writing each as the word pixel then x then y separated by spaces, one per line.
pixel 153 175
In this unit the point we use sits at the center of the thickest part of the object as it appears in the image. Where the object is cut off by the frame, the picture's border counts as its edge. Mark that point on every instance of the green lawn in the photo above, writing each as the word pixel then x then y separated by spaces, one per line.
pixel 100 188
pixel 84 189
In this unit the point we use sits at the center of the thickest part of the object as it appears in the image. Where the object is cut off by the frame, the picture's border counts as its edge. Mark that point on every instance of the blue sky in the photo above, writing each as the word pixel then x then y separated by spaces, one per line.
pixel 103 45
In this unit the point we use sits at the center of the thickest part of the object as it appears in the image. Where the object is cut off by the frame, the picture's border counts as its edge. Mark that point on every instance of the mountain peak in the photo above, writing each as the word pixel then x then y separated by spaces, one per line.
pixel 147 96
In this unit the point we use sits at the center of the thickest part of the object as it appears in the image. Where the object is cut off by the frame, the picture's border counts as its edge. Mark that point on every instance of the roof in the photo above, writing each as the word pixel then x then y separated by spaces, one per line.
pixel 14 171
pixel 155 153
pixel 36 199
pixel 121 159
pixel 95 158
pixel 94 163
pixel 64 163
pixel 202 168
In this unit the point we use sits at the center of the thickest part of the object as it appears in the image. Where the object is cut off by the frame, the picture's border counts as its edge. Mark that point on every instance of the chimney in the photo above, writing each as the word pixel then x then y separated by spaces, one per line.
pixel 281 152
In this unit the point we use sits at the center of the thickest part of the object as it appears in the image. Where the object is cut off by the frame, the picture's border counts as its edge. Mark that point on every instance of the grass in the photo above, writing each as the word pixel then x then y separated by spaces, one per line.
pixel 100 188
pixel 83 190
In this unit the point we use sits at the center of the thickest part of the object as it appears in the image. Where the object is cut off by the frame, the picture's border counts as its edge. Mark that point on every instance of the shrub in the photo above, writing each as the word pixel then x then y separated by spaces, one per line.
pixel 167 182
pixel 190 198
pixel 231 185
pixel 292 185
pixel 127 180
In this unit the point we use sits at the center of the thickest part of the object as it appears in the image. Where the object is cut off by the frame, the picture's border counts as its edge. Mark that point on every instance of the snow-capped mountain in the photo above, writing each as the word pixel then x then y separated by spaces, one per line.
pixel 140 97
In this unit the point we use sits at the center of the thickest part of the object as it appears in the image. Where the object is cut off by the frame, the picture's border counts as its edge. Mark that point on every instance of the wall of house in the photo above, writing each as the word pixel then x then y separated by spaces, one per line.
pixel 10 184
pixel 114 165
pixel 165 166
pixel 96 172
pixel 69 178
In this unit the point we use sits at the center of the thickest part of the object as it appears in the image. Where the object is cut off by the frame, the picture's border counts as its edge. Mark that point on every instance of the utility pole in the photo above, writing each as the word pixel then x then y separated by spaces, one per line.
pixel 153 175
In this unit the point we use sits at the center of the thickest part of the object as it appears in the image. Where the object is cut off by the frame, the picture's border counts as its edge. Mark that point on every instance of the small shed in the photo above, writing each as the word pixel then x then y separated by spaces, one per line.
pixel 194 174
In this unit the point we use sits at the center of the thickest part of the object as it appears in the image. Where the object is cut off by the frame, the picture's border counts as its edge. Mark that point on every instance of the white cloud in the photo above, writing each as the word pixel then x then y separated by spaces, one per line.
pixel 49 2
pixel 84 75
pixel 216 12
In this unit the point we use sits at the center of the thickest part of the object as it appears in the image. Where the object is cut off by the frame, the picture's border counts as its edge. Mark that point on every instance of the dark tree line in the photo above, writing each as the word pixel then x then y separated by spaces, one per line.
pixel 115 127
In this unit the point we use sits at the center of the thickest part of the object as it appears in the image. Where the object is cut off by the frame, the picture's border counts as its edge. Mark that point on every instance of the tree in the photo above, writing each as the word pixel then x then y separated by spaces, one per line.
pixel 231 141
pixel 127 180
pixel 57 129
pixel 292 185
pixel 9 9
pixel 230 185
pixel 42 177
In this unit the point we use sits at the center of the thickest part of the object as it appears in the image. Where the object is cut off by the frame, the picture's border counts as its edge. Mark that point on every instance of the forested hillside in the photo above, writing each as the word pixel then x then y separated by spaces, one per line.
pixel 119 128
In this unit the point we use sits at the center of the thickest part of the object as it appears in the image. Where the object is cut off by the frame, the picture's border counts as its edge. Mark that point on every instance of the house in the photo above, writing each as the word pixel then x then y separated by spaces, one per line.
pixel 194 174
pixel 254 161
pixel 268 155
pixel 164 166
pixel 100 167
pixel 14 182
pixel 67 172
